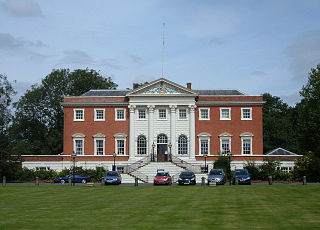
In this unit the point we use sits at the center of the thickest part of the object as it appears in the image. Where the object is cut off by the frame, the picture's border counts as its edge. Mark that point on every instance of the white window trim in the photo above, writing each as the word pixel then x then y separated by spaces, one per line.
pixel 225 138
pixel 251 147
pixel 116 146
pixel 225 119
pixel 246 119
pixel 203 139
pixel 115 114
pixel 95 146
pixel 95 114
pixel 162 119
pixel 74 144
pixel 204 119
pixel 183 119
pixel 142 119
pixel 74 115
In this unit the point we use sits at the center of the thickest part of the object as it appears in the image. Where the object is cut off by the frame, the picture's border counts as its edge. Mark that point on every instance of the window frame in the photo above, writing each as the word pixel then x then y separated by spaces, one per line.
pixel 166 113
pixel 116 114
pixel 140 148
pixel 242 145
pixel 184 148
pixel 246 119
pixel 96 147
pixel 75 139
pixel 183 118
pixel 145 114
pixel 224 118
pixel 75 115
pixel 95 114
pixel 204 119
pixel 221 142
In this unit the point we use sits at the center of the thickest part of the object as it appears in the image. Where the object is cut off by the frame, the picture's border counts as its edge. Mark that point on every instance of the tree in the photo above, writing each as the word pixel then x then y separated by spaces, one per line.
pixel 7 163
pixel 309 113
pixel 279 125
pixel 38 122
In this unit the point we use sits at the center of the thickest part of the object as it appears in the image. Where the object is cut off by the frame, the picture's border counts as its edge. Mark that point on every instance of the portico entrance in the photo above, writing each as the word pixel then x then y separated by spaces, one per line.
pixel 162 148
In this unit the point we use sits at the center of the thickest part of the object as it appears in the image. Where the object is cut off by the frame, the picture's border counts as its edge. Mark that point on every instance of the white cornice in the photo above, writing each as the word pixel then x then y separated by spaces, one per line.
pixel 91 104
pixel 224 103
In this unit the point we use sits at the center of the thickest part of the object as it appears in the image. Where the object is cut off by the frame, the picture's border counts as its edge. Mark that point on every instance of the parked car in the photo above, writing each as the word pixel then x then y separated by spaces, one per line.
pixel 162 177
pixel 243 175
pixel 74 179
pixel 187 178
pixel 217 176
pixel 112 177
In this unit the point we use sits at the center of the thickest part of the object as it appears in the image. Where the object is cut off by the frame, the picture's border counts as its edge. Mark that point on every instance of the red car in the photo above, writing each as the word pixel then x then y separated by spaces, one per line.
pixel 162 177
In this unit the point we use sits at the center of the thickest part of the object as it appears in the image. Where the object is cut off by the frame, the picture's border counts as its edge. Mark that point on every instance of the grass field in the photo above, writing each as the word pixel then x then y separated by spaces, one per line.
pixel 163 207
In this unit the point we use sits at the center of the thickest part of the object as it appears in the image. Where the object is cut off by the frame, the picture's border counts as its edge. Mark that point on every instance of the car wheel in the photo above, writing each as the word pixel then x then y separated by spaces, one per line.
pixel 62 181
pixel 83 181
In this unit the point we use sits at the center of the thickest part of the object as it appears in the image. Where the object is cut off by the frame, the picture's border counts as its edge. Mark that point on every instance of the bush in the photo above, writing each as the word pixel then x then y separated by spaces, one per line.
pixel 222 163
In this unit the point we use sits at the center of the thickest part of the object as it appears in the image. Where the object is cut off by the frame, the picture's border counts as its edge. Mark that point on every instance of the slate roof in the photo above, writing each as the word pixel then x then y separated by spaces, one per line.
pixel 106 92
pixel 115 93
pixel 221 92
pixel 280 151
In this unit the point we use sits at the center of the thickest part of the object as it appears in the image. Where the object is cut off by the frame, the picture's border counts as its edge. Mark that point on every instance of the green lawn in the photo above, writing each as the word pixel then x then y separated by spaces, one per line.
pixel 161 207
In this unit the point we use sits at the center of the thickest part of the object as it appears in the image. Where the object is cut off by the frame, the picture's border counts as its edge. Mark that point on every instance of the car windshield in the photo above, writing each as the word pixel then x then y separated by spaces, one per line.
pixel 111 174
pixel 162 174
pixel 187 174
pixel 216 172
pixel 241 172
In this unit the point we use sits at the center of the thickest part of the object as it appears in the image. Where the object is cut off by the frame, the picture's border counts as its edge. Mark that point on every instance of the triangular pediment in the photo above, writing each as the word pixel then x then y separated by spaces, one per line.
pixel 162 87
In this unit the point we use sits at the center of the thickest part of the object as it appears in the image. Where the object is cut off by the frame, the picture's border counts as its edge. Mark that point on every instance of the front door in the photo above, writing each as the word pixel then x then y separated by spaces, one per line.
pixel 162 152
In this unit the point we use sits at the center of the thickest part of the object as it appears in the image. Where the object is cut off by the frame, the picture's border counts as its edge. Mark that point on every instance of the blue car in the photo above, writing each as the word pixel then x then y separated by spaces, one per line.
pixel 112 177
pixel 243 175
pixel 74 179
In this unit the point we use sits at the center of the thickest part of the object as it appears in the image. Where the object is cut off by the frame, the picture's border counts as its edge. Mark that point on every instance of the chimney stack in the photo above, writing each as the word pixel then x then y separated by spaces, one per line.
pixel 189 85
pixel 135 86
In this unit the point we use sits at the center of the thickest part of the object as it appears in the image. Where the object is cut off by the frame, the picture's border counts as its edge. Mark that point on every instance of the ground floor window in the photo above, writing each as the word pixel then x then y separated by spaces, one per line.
pixel 79 144
pixel 142 145
pixel 204 147
pixel 99 147
pixel 182 145
pixel 246 146
pixel 120 150
pixel 225 146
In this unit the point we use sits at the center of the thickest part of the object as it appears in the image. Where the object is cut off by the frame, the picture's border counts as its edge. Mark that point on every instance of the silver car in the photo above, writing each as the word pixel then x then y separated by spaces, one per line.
pixel 216 176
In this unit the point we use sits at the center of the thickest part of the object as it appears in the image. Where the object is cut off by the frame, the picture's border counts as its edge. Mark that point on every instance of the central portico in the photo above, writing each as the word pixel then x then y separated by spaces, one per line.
pixel 162 114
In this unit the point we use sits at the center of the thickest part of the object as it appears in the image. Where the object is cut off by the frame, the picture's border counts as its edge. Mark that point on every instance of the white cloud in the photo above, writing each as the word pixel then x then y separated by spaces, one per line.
pixel 76 57
pixel 22 8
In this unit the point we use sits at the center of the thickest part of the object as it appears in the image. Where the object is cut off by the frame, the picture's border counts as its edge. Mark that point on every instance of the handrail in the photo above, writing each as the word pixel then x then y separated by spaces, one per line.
pixel 138 164
pixel 140 176
pixel 183 164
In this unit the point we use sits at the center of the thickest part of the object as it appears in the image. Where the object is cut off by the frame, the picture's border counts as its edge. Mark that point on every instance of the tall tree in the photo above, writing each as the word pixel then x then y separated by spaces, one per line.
pixel 6 93
pixel 309 113
pixel 38 123
pixel 279 125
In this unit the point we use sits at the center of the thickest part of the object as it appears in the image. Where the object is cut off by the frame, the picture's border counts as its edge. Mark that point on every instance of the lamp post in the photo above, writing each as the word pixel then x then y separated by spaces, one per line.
pixel 170 146
pixel 205 154
pixel 229 154
pixel 114 162
pixel 152 157
pixel 74 166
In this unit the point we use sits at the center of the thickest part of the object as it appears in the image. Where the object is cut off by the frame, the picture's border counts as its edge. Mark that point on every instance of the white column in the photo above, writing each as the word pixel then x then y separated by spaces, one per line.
pixel 150 127
pixel 192 130
pixel 131 137
pixel 173 128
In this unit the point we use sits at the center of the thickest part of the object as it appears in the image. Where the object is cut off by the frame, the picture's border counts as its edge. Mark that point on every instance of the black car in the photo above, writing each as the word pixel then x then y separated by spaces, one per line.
pixel 187 178
pixel 74 179
pixel 243 175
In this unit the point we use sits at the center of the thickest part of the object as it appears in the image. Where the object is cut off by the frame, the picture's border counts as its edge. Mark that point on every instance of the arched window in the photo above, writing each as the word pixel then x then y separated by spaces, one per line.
pixel 182 145
pixel 142 145
pixel 162 139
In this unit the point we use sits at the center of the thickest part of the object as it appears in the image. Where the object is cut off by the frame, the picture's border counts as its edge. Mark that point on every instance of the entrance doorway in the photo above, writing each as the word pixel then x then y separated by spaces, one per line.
pixel 162 148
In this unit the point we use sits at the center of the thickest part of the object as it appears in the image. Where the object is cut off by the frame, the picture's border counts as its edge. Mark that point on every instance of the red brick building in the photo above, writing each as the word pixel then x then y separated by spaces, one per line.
pixel 158 121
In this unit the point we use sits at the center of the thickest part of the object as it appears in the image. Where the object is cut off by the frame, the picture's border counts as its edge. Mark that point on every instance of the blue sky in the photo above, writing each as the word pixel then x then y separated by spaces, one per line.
pixel 253 46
